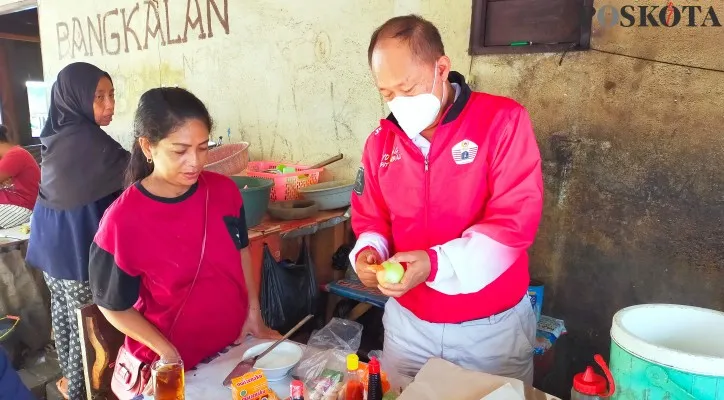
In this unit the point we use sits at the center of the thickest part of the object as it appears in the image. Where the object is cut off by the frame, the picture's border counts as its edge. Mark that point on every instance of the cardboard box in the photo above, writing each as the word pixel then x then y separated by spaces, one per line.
pixel 440 379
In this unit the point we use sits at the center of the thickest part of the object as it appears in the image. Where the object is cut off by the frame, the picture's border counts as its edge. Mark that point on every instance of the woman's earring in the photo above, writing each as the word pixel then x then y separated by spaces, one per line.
pixel 150 161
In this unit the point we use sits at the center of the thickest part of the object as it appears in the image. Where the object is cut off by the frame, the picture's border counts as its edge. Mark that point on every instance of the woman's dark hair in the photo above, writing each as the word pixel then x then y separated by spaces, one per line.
pixel 3 134
pixel 160 112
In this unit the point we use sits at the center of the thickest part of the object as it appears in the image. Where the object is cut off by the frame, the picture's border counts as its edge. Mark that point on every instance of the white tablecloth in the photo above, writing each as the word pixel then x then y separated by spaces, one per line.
pixel 205 382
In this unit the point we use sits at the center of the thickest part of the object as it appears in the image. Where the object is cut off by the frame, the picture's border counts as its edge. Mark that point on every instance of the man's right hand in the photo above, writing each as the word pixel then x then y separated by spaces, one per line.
pixel 365 259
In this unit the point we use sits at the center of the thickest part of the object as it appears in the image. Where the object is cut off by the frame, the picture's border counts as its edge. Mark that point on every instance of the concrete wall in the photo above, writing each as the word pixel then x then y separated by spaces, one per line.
pixel 633 148
pixel 634 151
pixel 289 78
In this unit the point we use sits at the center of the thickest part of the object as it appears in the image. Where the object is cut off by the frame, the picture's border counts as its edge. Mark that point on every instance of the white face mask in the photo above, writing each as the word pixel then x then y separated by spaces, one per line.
pixel 415 113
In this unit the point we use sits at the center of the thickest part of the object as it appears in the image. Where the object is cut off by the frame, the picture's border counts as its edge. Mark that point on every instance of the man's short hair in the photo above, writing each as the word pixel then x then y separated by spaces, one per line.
pixel 420 34
pixel 3 134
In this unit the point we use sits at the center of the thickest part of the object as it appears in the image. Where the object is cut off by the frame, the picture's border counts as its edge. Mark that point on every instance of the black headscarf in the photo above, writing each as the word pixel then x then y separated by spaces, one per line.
pixel 81 162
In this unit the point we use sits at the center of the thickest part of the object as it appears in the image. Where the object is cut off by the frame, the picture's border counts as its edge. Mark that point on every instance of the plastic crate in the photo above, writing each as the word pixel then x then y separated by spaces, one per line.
pixel 286 186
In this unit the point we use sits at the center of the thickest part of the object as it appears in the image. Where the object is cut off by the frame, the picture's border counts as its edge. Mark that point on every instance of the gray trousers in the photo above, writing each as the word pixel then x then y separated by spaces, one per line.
pixel 500 345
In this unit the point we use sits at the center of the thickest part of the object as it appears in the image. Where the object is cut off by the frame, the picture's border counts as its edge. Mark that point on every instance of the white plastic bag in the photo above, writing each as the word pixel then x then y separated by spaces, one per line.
pixel 324 362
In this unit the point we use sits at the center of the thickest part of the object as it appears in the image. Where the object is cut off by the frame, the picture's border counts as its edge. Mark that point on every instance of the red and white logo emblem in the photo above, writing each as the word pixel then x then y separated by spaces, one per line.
pixel 464 152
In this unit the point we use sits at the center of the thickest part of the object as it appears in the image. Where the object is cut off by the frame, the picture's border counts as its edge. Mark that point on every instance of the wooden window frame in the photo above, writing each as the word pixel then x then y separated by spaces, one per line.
pixel 477 36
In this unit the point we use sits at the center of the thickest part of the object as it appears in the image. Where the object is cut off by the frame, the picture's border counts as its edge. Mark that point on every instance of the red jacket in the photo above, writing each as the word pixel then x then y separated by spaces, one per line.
pixel 474 203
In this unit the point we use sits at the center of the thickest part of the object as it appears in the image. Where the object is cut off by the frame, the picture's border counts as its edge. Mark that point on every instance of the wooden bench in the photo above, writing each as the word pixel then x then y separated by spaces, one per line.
pixel 99 342
pixel 353 290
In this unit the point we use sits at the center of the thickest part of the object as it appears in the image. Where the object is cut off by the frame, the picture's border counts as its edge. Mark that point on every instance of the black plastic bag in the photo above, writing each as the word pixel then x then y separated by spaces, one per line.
pixel 340 258
pixel 289 290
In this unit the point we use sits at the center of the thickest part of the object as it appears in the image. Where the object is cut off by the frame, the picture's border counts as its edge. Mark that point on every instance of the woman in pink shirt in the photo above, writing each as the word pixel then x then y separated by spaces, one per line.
pixel 19 181
pixel 170 265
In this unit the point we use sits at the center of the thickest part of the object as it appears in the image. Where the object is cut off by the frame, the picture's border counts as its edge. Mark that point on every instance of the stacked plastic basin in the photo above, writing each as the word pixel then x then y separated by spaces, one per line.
pixel 255 192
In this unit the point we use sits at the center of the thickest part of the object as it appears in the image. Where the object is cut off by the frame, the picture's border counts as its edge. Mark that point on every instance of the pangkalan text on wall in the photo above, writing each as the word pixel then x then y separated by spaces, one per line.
pixel 124 30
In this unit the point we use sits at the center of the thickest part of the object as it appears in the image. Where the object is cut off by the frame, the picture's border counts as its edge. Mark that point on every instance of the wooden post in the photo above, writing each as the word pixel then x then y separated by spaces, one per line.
pixel 7 98
pixel 323 245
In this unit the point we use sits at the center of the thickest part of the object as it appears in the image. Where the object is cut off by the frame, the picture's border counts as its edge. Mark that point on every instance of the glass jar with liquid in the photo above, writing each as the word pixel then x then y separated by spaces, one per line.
pixel 168 380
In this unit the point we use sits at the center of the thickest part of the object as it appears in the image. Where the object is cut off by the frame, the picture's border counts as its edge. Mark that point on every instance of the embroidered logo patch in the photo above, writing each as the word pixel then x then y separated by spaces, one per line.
pixel 464 152
pixel 359 181
pixel 388 159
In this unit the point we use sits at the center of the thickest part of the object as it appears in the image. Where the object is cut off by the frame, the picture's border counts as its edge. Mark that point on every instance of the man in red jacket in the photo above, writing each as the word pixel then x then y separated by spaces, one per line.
pixel 451 184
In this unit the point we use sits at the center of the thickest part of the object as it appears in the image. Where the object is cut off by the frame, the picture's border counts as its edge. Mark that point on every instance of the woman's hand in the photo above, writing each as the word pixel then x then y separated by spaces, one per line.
pixel 256 327
pixel 136 326
pixel 169 354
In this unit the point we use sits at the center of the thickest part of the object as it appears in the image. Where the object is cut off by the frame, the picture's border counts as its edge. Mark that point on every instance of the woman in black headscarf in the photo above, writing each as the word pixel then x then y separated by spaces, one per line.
pixel 81 175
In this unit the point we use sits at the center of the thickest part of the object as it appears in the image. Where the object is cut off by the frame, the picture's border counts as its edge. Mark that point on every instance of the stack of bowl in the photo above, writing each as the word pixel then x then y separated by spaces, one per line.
pixel 329 195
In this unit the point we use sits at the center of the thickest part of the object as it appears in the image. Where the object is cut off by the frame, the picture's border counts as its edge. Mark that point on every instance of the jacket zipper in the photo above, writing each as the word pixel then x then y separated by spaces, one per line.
pixel 427 184
pixel 427 199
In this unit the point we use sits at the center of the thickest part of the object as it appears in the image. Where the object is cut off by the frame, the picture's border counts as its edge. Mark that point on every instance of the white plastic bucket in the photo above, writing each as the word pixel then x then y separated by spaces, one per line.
pixel 666 351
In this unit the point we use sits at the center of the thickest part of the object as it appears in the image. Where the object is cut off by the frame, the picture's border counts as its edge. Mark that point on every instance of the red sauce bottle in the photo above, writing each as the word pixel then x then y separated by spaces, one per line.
pixel 374 389
pixel 296 390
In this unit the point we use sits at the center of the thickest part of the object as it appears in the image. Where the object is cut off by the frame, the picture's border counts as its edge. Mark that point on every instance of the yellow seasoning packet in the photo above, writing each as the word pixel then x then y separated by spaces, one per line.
pixel 252 386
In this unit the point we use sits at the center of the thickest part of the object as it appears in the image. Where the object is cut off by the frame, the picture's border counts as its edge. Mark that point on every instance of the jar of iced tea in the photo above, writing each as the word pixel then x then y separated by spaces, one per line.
pixel 168 380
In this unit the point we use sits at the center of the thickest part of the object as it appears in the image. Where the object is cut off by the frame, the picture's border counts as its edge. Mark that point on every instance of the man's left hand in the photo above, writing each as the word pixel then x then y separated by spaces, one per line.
pixel 418 270
pixel 256 327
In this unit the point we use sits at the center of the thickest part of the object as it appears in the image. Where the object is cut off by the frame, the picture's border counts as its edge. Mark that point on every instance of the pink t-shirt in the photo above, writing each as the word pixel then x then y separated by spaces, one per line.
pixel 146 255
pixel 22 178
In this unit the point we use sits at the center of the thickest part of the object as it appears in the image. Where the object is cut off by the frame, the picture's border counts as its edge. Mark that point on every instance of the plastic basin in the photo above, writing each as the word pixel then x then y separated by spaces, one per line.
pixel 255 193
pixel 228 159
pixel 329 195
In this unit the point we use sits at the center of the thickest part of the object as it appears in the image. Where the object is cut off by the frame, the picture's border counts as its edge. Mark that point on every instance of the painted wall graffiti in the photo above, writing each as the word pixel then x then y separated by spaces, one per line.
pixel 130 29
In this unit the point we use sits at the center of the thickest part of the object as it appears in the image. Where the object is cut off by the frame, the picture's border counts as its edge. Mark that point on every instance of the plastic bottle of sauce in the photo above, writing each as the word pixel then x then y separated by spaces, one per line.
pixel 296 390
pixel 589 385
pixel 354 389
pixel 374 389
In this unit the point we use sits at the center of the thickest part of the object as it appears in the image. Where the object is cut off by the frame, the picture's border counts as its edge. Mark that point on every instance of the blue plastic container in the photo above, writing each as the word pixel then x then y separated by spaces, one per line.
pixel 535 293
pixel 665 351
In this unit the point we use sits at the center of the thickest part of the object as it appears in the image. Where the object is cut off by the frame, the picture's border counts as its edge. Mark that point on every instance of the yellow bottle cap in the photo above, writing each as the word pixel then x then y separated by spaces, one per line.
pixel 352 362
